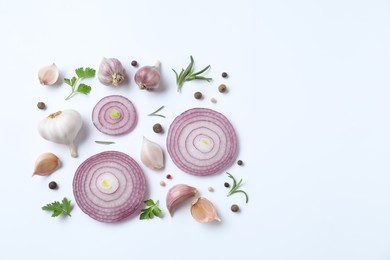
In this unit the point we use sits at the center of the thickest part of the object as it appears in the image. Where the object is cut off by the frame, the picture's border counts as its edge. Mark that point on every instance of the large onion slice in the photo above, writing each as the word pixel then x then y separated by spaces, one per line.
pixel 201 141
pixel 114 115
pixel 109 186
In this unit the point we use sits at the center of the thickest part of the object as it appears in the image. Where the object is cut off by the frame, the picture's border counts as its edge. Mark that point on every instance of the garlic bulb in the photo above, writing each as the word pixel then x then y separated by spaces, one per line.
pixel 46 164
pixel 177 194
pixel 62 127
pixel 203 210
pixel 152 155
pixel 48 75
pixel 111 72
pixel 148 77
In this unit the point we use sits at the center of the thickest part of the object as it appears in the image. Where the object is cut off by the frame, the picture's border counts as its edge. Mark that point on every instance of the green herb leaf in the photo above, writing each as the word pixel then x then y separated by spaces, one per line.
pixel 104 142
pixel 58 208
pixel 235 187
pixel 82 88
pixel 155 113
pixel 67 81
pixel 151 211
pixel 188 75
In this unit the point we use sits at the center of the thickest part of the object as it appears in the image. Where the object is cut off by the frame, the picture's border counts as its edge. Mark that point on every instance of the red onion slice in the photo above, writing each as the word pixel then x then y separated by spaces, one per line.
pixel 201 141
pixel 114 115
pixel 109 186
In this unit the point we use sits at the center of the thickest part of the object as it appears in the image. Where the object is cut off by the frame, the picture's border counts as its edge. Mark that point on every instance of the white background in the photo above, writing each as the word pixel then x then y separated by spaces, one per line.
pixel 308 96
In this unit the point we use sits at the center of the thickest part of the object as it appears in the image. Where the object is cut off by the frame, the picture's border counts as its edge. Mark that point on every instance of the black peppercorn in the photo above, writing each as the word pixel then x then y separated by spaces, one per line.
pixel 224 75
pixel 198 95
pixel 234 208
pixel 157 128
pixel 52 185
pixel 226 184
pixel 41 105
pixel 240 162
pixel 134 63
pixel 222 88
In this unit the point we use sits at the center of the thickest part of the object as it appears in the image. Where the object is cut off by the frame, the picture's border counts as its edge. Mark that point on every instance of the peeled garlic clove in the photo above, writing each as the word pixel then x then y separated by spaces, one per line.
pixel 152 155
pixel 111 72
pixel 177 194
pixel 148 77
pixel 46 164
pixel 203 210
pixel 48 75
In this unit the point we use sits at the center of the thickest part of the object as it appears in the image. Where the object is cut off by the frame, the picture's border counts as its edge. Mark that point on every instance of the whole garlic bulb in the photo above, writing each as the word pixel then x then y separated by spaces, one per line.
pixel 111 72
pixel 148 77
pixel 62 127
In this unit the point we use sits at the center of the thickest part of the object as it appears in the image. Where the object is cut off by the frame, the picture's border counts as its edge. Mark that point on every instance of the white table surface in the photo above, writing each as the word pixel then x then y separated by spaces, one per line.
pixel 309 91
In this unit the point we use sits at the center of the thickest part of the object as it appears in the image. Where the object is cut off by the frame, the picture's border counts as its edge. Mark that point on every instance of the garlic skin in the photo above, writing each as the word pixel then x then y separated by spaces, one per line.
pixel 152 155
pixel 148 77
pixel 203 211
pixel 111 72
pixel 48 75
pixel 46 164
pixel 62 127
pixel 177 194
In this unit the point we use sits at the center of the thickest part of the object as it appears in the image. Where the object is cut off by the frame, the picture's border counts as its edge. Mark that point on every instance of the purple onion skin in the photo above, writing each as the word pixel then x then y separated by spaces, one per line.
pixel 148 77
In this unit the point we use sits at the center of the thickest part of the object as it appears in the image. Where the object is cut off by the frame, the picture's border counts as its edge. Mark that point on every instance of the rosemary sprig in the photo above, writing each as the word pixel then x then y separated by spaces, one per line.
pixel 104 142
pixel 188 74
pixel 235 187
pixel 155 113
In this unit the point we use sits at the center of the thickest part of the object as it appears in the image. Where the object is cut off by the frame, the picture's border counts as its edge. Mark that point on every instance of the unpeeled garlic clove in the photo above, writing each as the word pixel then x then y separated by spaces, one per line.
pixel 46 164
pixel 152 155
pixel 177 194
pixel 48 75
pixel 203 210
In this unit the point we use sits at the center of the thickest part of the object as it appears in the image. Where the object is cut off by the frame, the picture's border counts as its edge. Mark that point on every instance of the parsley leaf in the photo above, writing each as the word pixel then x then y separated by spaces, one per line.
pixel 81 88
pixel 58 208
pixel 188 74
pixel 151 211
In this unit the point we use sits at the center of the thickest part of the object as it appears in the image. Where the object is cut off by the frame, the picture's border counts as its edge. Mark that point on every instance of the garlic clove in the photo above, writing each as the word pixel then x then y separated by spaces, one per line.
pixel 177 194
pixel 48 75
pixel 148 77
pixel 111 72
pixel 152 155
pixel 203 211
pixel 46 164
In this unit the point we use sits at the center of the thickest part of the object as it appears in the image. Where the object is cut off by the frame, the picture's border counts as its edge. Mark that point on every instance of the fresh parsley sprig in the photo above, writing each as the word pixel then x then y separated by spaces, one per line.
pixel 64 207
pixel 188 74
pixel 81 88
pixel 151 211
pixel 155 113
pixel 235 187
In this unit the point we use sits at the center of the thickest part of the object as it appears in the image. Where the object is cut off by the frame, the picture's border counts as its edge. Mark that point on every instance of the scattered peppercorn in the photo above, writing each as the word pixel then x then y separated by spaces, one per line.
pixel 240 162
pixel 222 88
pixel 226 184
pixel 169 176
pixel 157 128
pixel 210 189
pixel 198 95
pixel 234 208
pixel 224 75
pixel 52 185
pixel 41 105
pixel 213 100
pixel 162 183
pixel 134 63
